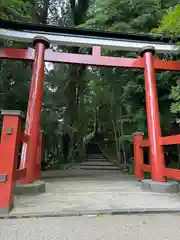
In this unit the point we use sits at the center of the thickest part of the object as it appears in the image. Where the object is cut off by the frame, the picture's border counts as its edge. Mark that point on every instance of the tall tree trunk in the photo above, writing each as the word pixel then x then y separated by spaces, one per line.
pixel 117 143
pixel 40 11
pixel 122 135
pixel 78 11
pixel 81 114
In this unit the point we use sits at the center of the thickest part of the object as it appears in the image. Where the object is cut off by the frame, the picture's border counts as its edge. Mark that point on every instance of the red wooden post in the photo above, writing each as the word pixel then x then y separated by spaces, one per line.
pixel 152 108
pixel 10 140
pixel 138 155
pixel 32 127
pixel 39 157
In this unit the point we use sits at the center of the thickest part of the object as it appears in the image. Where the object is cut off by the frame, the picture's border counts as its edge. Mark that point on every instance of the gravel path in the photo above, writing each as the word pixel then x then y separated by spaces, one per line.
pixel 122 227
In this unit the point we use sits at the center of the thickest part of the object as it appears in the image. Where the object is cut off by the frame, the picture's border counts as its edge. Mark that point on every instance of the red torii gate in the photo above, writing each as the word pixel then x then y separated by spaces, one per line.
pixel 41 37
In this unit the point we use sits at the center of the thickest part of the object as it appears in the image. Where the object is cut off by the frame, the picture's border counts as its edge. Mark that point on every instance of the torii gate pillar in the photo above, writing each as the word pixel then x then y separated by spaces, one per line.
pixel 153 118
pixel 32 126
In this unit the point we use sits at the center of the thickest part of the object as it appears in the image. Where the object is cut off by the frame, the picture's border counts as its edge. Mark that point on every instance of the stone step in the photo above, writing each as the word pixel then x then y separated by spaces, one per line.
pixel 97 166
pixel 97 160
pixel 107 164
pixel 100 169
pixel 96 156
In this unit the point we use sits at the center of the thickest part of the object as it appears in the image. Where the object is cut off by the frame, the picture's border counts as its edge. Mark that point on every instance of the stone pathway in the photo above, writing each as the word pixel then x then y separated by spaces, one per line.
pixel 133 227
pixel 93 187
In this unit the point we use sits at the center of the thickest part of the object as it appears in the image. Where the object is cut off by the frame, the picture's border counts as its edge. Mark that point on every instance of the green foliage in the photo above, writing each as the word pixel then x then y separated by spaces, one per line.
pixel 11 85
pixel 14 9
pixel 175 95
pixel 124 15
pixel 170 23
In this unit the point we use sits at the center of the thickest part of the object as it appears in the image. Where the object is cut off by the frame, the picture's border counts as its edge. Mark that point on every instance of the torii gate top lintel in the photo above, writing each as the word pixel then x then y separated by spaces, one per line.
pixel 25 32
pixel 28 32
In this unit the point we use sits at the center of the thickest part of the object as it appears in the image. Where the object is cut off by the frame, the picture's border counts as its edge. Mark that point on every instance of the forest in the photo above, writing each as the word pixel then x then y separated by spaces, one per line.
pixel 80 100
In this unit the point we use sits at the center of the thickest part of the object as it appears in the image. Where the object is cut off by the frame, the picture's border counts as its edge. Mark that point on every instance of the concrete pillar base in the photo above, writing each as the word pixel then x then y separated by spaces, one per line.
pixel 5 211
pixel 30 189
pixel 160 187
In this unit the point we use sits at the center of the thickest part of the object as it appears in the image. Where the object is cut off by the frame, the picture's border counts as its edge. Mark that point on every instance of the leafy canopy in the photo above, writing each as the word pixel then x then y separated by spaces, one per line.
pixel 170 23
pixel 14 9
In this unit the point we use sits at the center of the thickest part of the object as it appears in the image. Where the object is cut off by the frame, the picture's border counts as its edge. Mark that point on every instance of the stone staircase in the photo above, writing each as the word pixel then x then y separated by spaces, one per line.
pixel 97 162
pixel 96 165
